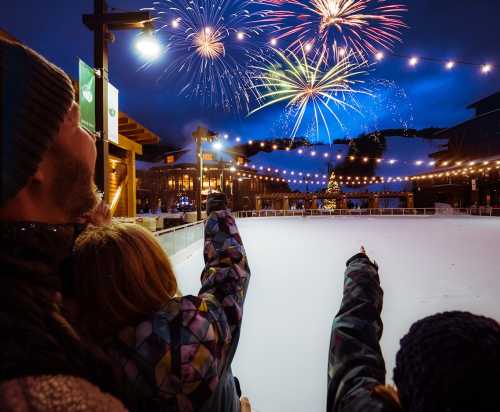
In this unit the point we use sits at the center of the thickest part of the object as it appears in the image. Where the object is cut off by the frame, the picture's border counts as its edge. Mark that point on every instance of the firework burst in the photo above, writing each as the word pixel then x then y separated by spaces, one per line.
pixel 305 82
pixel 209 44
pixel 366 26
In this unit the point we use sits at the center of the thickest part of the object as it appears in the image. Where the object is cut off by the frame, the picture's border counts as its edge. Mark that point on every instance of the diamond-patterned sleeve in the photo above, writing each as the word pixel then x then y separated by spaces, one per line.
pixel 182 352
pixel 355 364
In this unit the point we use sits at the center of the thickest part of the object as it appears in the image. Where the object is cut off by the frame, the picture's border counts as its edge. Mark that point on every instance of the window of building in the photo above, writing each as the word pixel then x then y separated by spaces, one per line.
pixel 170 159
pixel 208 156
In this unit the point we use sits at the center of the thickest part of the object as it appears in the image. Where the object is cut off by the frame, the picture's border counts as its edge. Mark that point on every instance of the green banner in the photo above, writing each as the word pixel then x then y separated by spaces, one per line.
pixel 87 96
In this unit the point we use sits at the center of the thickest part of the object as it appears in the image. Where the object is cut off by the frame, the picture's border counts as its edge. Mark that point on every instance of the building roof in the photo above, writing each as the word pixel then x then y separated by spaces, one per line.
pixel 489 161
pixel 469 122
pixel 135 131
pixel 492 99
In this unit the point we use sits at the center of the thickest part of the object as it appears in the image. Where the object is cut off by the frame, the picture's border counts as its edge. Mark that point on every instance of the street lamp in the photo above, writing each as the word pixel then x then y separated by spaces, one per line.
pixel 218 146
pixel 200 135
pixel 147 45
pixel 102 23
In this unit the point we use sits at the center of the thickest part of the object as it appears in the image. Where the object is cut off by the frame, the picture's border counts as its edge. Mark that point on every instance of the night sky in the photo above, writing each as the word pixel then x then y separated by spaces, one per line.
pixel 422 97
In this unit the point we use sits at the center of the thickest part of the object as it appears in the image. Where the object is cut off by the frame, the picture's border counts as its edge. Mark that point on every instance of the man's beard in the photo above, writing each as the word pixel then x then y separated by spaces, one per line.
pixel 73 188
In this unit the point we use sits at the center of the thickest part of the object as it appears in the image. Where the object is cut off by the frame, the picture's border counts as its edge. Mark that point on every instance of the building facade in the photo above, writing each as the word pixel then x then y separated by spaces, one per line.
pixel 468 172
pixel 160 186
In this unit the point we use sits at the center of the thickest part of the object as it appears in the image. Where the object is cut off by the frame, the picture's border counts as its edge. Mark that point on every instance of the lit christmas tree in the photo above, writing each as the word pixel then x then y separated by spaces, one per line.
pixel 333 187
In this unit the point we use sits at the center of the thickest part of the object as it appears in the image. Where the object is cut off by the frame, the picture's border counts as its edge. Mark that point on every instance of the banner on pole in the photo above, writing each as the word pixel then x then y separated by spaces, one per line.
pixel 112 113
pixel 87 96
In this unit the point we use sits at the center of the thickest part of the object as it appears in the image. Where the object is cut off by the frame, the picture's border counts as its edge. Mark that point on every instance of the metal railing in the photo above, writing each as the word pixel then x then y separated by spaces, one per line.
pixel 487 211
pixel 175 239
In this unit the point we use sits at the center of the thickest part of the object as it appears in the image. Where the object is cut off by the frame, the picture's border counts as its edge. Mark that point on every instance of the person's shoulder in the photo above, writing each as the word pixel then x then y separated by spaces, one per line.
pixel 55 393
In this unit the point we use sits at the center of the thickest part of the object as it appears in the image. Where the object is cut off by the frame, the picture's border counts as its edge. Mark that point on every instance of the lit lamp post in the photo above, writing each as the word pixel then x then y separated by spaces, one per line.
pixel 101 23
pixel 218 146
pixel 200 135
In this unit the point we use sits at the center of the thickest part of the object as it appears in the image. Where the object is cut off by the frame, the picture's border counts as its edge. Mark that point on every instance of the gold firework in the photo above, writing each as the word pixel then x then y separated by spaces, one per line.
pixel 208 44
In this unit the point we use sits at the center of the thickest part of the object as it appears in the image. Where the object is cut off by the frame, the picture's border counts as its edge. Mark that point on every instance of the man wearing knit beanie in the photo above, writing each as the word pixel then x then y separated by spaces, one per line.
pixel 449 362
pixel 46 184
pixel 47 160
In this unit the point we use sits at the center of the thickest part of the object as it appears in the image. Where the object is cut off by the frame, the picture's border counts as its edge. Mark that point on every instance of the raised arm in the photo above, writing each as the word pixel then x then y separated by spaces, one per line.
pixel 356 366
pixel 183 352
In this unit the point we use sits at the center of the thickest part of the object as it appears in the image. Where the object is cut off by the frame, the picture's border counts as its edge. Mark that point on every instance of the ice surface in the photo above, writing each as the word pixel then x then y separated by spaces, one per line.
pixel 427 265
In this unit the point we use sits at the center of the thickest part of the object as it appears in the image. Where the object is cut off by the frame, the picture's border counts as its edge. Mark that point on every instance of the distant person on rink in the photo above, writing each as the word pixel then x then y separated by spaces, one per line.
pixel 46 184
pixel 176 350
pixel 449 362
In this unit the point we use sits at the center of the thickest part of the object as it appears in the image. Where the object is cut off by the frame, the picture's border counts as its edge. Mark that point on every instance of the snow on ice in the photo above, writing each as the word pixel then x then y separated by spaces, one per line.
pixel 427 265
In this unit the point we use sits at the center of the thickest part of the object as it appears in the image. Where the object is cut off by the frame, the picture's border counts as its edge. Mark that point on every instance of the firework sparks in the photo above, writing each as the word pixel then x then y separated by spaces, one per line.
pixel 303 83
pixel 366 26
pixel 209 44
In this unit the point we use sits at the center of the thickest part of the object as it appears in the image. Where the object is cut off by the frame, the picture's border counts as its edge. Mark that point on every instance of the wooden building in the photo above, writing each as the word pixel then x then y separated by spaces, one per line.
pixel 469 164
pixel 160 185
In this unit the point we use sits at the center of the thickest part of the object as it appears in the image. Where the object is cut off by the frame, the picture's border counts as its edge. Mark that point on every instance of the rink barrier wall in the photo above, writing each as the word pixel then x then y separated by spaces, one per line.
pixel 486 211
pixel 178 238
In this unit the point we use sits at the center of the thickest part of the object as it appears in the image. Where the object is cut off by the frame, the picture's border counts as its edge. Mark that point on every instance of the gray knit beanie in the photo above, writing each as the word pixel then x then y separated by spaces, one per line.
pixel 35 96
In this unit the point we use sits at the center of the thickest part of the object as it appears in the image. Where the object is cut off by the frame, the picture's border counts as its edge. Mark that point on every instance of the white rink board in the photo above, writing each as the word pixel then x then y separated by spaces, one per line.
pixel 427 265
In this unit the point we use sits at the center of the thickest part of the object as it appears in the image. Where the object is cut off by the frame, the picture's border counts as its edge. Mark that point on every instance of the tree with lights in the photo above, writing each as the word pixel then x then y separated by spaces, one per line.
pixel 333 187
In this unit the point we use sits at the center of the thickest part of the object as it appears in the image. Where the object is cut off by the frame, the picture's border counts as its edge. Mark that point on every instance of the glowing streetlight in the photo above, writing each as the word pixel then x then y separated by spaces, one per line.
pixel 450 65
pixel 413 61
pixel 274 42
pixel 379 56
pixel 217 146
pixel 486 68
pixel 240 35
pixel 148 46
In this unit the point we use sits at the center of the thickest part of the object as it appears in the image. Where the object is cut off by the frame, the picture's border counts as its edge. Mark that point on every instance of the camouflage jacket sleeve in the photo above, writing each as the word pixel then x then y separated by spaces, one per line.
pixel 356 365
pixel 180 354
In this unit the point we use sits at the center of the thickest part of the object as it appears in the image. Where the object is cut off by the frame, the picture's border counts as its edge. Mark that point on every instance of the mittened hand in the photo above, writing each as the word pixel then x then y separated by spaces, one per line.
pixel 215 202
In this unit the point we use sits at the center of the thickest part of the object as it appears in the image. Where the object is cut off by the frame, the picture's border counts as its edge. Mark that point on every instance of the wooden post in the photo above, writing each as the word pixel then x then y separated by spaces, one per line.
pixel 131 186
pixel 410 204
pixel 101 62
pixel 286 203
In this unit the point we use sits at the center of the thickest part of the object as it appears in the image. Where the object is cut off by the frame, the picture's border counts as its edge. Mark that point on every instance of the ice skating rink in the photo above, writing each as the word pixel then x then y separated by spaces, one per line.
pixel 427 265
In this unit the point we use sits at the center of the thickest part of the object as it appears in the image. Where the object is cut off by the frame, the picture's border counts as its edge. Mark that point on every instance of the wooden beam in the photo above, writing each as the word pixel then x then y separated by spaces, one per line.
pixel 134 132
pixel 127 126
pixel 129 145
pixel 132 185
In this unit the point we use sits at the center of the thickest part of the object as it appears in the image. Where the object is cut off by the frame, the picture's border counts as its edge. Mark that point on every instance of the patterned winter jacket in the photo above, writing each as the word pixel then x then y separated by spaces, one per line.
pixel 356 368
pixel 180 356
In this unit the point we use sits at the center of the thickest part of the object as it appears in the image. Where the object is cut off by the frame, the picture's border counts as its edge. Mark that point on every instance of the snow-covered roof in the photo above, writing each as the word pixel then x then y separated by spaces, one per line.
pixel 189 155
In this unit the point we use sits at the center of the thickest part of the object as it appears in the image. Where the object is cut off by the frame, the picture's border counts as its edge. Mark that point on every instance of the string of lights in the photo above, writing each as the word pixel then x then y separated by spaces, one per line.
pixel 448 64
pixel 320 179
pixel 446 163
pixel 325 155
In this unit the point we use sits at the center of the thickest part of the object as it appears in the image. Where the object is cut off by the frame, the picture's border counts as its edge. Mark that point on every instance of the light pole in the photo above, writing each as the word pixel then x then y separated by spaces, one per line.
pixel 218 146
pixel 101 23
pixel 200 135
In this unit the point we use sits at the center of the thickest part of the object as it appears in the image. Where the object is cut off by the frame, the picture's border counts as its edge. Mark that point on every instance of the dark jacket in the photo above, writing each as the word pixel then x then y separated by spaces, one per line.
pixel 181 355
pixel 34 340
pixel 356 366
